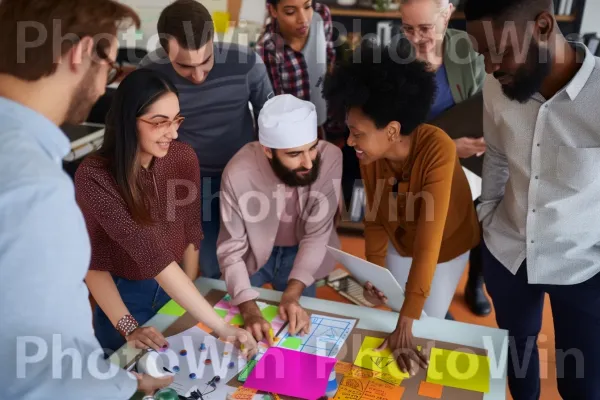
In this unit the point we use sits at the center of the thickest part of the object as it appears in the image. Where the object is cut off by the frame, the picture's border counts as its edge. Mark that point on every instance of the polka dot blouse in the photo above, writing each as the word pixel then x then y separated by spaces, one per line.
pixel 122 246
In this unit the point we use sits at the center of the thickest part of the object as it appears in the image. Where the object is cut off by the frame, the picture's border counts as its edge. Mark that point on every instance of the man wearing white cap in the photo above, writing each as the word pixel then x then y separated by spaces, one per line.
pixel 279 199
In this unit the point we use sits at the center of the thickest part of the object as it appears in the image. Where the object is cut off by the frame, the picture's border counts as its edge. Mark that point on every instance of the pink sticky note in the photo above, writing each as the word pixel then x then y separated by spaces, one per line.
pixel 291 373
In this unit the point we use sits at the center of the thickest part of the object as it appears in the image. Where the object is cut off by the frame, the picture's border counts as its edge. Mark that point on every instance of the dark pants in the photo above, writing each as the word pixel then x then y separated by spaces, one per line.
pixel 277 271
pixel 475 259
pixel 211 222
pixel 576 313
pixel 142 298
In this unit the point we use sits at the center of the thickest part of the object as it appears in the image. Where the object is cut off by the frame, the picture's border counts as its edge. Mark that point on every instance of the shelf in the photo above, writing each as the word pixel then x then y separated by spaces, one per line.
pixel 366 13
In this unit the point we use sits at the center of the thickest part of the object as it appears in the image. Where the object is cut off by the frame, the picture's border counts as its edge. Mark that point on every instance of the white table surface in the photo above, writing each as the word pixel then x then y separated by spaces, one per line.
pixel 494 340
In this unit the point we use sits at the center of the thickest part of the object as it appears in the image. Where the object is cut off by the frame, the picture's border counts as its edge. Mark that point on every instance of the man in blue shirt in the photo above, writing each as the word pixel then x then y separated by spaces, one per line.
pixel 48 346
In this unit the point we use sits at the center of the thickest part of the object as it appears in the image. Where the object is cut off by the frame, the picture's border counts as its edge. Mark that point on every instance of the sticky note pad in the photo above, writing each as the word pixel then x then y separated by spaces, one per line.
pixel 459 370
pixel 390 379
pixel 380 361
pixel 269 313
pixel 237 320
pixel 363 373
pixel 246 371
pixel 292 343
pixel 353 388
pixel 342 367
pixel 204 327
pixel 243 393
pixel 222 313
pixel 291 373
pixel 172 308
pixel 431 390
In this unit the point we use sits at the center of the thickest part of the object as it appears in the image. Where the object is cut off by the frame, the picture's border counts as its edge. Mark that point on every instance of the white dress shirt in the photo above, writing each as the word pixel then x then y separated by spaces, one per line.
pixel 48 349
pixel 541 179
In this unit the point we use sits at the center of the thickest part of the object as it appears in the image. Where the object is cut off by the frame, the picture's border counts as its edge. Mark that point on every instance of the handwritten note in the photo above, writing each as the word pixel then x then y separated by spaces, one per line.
pixel 363 373
pixel 380 361
pixel 353 388
pixel 390 379
pixel 342 367
pixel 243 393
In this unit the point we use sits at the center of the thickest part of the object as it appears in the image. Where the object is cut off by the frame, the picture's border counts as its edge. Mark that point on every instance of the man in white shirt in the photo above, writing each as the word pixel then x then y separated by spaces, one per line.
pixel 56 57
pixel 540 207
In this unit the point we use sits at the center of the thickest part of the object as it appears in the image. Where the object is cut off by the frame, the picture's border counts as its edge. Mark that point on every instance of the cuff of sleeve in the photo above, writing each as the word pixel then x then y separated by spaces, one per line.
pixel 302 276
pixel 413 306
pixel 485 210
pixel 377 260
pixel 244 296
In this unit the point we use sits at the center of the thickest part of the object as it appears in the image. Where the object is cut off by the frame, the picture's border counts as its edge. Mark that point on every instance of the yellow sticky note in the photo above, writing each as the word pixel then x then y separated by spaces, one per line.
pixel 459 370
pixel 380 361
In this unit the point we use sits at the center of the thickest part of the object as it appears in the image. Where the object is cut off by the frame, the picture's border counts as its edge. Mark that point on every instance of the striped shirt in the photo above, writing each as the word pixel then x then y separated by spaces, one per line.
pixel 540 179
pixel 218 121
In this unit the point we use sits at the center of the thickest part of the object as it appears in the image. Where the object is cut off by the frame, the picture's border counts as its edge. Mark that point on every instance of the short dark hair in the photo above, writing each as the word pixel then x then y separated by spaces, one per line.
pixel 188 22
pixel 98 19
pixel 387 84
pixel 505 9
pixel 135 95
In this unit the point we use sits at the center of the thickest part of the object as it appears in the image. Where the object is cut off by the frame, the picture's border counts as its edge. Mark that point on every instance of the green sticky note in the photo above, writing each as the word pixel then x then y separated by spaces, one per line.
pixel 227 298
pixel 222 313
pixel 237 320
pixel 246 371
pixel 292 343
pixel 172 308
pixel 269 313
pixel 459 370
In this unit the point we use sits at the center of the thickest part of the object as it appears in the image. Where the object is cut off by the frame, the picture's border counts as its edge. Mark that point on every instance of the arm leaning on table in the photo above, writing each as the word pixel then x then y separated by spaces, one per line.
pixel 143 247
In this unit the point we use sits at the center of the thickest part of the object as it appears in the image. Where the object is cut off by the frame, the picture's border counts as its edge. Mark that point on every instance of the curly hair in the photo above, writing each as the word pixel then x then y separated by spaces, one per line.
pixel 386 83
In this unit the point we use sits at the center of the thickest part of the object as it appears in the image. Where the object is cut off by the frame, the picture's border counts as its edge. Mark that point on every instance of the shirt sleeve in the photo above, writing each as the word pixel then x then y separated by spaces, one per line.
pixel 495 166
pixel 325 13
pixel 101 202
pixel 45 308
pixel 319 224
pixel 376 237
pixel 261 88
pixel 232 245
pixel 435 198
pixel 193 222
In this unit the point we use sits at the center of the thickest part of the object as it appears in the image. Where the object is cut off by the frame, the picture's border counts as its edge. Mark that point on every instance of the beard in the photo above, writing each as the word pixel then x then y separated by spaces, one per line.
pixel 529 78
pixel 83 99
pixel 290 177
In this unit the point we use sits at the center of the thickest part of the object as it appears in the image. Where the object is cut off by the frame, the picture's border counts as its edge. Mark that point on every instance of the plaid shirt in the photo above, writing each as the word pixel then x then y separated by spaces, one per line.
pixel 286 67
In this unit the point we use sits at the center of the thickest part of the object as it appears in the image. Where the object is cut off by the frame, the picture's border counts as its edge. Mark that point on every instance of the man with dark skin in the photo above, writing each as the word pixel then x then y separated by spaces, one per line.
pixel 539 204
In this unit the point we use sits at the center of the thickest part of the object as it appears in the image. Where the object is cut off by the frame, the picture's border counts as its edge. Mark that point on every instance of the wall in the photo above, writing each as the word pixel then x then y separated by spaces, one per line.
pixel 591 17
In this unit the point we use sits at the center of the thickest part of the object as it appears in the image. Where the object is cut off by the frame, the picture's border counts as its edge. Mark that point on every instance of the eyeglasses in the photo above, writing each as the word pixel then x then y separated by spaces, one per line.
pixel 115 70
pixel 163 126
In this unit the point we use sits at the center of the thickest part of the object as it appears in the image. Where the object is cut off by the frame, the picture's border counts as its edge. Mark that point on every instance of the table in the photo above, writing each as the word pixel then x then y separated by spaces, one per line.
pixel 495 341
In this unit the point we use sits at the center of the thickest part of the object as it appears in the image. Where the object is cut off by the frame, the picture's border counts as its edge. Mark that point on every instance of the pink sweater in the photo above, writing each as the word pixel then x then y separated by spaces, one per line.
pixel 252 201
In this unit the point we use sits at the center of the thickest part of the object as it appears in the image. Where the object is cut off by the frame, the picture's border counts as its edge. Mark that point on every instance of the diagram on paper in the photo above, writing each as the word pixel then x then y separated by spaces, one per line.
pixel 326 337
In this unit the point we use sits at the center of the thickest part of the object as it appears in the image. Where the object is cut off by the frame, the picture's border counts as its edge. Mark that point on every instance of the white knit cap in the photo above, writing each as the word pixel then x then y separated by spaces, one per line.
pixel 286 122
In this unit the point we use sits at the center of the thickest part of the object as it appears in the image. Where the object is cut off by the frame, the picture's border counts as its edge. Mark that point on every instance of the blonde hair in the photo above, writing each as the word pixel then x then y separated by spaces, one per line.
pixel 442 4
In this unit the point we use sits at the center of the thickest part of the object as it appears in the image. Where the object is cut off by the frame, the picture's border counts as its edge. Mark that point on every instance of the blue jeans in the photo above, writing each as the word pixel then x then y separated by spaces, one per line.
pixel 277 271
pixel 576 313
pixel 142 298
pixel 211 221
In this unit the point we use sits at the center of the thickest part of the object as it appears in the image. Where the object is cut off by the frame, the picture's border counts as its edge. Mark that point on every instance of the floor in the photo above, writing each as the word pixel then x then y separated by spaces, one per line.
pixel 355 245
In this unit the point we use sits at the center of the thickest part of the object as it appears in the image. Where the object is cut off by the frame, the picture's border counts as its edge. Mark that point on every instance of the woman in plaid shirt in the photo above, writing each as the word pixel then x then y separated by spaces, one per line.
pixel 297 49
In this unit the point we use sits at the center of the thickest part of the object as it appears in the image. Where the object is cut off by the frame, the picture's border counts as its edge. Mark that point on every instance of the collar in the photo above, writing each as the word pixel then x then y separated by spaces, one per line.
pixel 33 124
pixel 585 71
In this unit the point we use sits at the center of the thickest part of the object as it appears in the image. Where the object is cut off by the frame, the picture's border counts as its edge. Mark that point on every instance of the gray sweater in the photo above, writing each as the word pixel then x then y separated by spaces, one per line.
pixel 218 120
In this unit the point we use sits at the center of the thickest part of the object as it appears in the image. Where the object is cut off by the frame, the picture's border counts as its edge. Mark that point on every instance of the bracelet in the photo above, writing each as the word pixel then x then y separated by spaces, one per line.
pixel 126 325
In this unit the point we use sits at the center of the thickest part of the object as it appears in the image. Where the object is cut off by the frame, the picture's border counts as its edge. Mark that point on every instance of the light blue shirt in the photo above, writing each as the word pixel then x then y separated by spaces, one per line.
pixel 47 343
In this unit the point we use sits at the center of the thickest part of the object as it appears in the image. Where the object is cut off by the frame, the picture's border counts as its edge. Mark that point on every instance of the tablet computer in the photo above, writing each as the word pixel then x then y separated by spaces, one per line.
pixel 364 271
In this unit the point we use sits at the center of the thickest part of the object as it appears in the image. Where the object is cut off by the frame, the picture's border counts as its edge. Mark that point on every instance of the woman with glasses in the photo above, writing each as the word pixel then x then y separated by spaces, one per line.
pixel 140 196
pixel 459 74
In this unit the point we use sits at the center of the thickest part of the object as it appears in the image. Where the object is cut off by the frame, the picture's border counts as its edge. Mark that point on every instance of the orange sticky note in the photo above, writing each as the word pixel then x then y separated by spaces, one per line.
pixel 431 390
pixel 358 372
pixel 204 327
pixel 353 388
pixel 342 367
pixel 243 393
